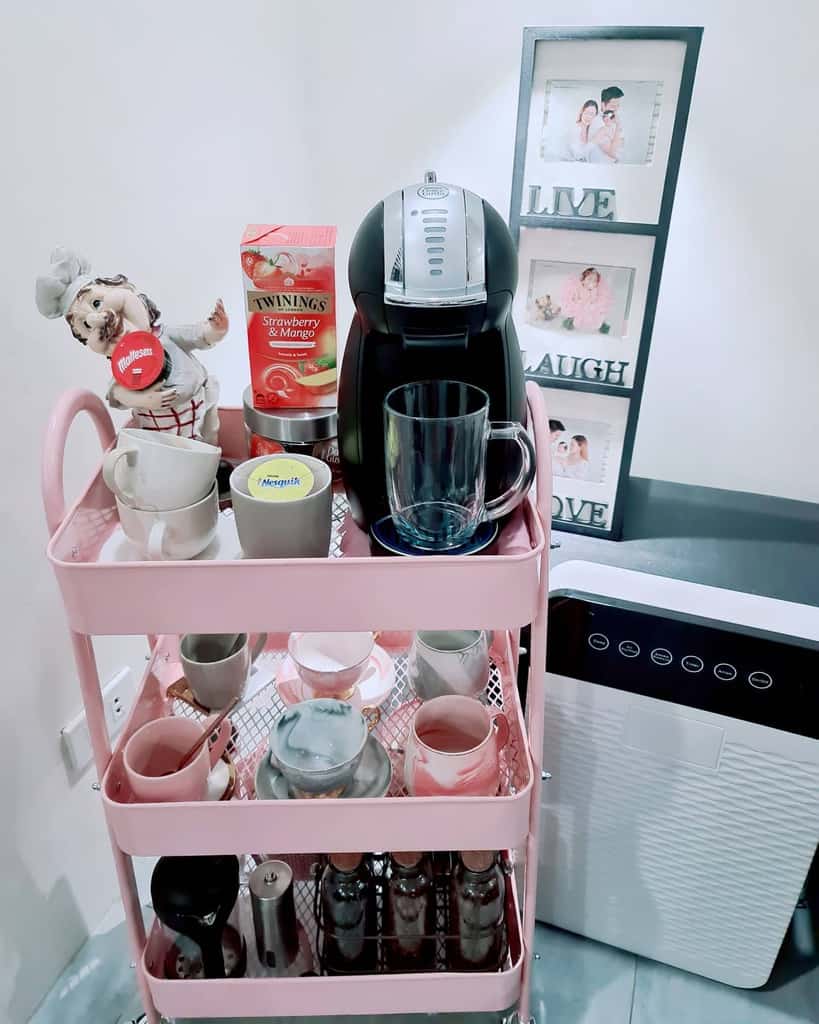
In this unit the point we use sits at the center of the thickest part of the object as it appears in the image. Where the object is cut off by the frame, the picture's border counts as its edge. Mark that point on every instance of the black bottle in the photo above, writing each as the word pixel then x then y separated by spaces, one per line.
pixel 408 937
pixel 477 898
pixel 348 916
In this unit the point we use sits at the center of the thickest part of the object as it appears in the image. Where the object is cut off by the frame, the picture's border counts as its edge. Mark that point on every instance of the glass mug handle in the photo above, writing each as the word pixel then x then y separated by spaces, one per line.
pixel 511 498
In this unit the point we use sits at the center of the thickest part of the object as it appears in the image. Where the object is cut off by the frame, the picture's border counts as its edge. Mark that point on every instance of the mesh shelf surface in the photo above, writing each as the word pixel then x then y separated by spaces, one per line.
pixel 254 719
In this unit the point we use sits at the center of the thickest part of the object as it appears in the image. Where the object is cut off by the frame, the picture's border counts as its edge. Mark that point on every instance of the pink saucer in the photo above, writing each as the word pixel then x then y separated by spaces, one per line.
pixel 375 685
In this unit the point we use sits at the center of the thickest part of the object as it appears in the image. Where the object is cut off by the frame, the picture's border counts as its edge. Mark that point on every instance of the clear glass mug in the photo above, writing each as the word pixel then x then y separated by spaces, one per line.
pixel 437 432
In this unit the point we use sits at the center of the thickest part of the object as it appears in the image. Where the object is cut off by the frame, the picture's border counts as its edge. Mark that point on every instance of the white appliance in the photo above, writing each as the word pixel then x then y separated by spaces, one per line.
pixel 682 737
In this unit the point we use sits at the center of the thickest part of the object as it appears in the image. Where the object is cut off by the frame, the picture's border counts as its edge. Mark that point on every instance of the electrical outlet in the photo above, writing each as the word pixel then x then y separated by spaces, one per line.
pixel 117 697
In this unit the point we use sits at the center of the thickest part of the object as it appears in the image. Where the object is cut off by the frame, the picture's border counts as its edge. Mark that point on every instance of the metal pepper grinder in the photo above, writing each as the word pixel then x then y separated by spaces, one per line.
pixel 274 914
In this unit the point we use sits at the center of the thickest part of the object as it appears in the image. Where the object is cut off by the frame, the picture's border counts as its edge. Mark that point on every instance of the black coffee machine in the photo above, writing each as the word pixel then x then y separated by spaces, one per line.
pixel 432 272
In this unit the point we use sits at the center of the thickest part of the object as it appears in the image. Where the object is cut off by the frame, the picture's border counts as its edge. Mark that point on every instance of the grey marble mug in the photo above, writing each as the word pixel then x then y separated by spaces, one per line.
pixel 450 661
pixel 217 665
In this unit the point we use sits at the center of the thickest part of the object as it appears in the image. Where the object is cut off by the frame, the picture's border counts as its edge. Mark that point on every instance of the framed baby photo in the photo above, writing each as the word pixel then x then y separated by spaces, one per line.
pixel 580 305
pixel 587 437
pixel 601 122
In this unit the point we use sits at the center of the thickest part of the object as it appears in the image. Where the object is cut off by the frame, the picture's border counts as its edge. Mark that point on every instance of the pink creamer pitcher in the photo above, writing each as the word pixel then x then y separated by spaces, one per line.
pixel 453 748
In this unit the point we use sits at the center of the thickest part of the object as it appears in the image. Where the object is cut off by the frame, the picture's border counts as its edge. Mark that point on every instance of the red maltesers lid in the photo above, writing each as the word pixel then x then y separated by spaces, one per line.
pixel 137 360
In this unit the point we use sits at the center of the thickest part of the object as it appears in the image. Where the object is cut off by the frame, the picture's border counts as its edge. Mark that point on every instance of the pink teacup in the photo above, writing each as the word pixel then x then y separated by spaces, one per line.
pixel 158 747
pixel 453 748
pixel 331 663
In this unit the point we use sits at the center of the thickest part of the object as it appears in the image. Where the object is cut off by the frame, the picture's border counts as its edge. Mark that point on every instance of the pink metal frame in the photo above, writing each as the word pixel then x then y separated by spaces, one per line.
pixel 511 588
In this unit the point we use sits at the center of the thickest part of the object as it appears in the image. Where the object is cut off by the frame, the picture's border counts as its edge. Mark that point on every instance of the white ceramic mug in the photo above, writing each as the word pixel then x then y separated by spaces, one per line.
pixel 293 528
pixel 177 533
pixel 217 665
pixel 151 469
pixel 449 661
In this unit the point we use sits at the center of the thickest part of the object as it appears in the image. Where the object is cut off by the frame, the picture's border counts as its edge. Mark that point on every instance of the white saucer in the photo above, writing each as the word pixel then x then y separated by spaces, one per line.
pixel 224 547
pixel 221 781
pixel 370 691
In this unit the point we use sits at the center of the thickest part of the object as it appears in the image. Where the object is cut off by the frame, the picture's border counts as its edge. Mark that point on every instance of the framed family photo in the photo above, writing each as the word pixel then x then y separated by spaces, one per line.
pixel 601 124
pixel 583 123
pixel 580 305
pixel 587 436
pixel 600 110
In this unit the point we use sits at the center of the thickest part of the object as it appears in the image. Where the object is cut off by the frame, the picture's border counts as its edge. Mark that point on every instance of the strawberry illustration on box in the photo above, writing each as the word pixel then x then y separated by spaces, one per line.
pixel 154 369
pixel 289 278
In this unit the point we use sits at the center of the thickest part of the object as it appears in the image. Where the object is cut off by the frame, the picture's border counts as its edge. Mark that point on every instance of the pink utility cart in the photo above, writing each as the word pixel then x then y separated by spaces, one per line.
pixel 351 590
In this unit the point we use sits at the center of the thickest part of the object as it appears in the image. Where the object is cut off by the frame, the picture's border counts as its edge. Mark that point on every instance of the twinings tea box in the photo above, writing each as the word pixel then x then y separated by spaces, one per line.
pixel 290 297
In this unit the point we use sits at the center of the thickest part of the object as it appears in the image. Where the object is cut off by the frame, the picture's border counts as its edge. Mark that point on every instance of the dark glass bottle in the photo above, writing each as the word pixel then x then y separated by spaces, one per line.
pixel 477 897
pixel 408 937
pixel 349 916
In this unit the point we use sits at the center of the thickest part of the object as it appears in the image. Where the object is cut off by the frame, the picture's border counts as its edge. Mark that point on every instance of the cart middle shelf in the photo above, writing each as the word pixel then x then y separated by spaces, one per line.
pixel 245 824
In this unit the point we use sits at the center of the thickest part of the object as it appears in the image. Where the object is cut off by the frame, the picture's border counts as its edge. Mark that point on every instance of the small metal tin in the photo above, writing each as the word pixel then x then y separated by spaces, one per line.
pixel 298 431
pixel 290 426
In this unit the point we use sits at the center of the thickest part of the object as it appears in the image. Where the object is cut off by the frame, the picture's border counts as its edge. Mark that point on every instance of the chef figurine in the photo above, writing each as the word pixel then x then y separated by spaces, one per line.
pixel 100 310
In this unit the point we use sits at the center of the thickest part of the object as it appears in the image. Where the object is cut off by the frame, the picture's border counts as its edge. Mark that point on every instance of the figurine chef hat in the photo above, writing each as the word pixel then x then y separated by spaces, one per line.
pixel 66 277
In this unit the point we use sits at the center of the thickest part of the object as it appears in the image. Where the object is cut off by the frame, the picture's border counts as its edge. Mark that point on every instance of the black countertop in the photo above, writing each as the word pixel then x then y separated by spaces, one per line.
pixel 746 542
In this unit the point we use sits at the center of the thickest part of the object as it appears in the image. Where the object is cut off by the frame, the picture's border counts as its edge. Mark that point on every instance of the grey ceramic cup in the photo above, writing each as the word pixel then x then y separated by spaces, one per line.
pixel 317 746
pixel 296 528
pixel 217 665
pixel 451 661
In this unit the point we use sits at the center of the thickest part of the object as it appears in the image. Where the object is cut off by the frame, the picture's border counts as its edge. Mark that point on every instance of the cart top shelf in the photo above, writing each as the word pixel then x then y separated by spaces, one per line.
pixel 107 591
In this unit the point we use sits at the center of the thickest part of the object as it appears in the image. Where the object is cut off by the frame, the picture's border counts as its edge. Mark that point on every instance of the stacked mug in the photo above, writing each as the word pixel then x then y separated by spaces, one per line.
pixel 456 743
pixel 166 493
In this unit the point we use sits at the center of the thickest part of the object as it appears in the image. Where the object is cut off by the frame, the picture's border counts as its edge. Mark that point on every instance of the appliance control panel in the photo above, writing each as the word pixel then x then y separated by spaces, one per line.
pixel 772 681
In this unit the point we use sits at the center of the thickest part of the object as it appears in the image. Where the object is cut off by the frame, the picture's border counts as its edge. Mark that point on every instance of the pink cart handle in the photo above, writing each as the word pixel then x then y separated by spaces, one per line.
pixel 68 407
pixel 538 424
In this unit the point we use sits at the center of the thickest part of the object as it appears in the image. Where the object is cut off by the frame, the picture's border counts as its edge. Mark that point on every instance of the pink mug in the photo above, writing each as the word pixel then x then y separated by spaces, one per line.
pixel 453 748
pixel 158 746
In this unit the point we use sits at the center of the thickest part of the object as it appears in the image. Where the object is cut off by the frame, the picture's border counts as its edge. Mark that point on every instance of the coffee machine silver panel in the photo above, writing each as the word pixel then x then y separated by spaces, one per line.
pixel 434 245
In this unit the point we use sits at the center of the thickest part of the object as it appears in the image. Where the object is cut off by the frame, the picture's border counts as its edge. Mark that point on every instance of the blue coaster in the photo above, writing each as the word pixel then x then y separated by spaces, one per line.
pixel 387 537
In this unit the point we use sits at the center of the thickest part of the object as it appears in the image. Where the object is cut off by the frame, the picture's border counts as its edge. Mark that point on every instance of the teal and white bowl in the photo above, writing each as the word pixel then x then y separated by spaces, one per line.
pixel 317 746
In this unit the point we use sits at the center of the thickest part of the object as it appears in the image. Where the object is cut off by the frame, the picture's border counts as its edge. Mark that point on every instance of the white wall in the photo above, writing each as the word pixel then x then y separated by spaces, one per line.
pixel 148 140
pixel 730 396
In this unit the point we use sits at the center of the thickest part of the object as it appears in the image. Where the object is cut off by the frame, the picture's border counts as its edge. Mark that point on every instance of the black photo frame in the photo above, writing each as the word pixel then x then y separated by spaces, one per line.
pixel 582 204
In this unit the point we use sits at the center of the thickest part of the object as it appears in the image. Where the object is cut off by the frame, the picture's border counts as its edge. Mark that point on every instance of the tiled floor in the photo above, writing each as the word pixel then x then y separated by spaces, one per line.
pixel 575 982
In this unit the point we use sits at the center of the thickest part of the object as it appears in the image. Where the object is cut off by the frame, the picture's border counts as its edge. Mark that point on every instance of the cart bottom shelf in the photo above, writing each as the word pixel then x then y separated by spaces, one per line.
pixel 258 994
